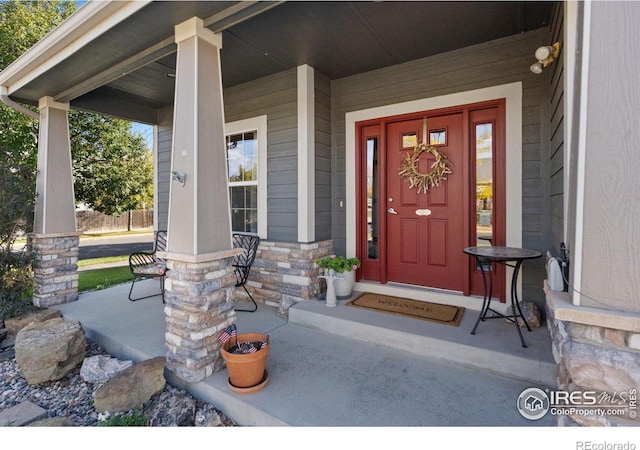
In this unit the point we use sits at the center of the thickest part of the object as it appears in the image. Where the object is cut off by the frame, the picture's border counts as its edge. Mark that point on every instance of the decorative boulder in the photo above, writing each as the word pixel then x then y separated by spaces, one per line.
pixel 530 312
pixel 132 387
pixel 18 323
pixel 208 416
pixel 171 409
pixel 49 350
pixel 100 368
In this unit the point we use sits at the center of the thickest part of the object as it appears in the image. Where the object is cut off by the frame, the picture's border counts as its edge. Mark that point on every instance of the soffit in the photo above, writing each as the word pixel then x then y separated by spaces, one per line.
pixel 338 39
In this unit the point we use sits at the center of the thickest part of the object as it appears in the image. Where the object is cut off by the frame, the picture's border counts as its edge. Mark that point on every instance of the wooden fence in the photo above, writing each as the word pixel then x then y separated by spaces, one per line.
pixel 96 222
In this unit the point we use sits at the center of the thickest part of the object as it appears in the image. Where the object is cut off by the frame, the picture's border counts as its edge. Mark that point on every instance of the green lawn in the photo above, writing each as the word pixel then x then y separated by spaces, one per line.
pixel 103 278
pixel 103 260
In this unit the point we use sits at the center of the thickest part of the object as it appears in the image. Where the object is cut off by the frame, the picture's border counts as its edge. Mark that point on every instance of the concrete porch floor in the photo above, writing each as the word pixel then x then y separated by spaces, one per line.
pixel 345 366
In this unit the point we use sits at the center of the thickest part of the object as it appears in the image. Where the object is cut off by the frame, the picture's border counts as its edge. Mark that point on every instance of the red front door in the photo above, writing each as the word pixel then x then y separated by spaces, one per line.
pixel 425 231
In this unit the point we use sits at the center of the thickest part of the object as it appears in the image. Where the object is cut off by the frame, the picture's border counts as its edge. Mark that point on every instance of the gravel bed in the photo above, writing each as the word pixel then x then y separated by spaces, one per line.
pixel 72 397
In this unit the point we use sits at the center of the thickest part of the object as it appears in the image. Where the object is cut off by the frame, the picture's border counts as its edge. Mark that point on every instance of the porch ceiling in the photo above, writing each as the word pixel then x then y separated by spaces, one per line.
pixel 124 71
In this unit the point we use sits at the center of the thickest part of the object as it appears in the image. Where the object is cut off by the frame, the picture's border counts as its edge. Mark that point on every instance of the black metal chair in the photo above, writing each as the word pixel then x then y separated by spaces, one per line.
pixel 243 262
pixel 145 265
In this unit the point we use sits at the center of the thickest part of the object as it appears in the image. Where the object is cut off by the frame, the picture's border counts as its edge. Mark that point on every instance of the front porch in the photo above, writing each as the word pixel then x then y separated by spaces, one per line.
pixel 347 367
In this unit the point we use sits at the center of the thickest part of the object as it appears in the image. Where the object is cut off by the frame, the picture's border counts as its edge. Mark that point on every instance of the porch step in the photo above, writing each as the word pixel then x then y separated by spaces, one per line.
pixel 495 347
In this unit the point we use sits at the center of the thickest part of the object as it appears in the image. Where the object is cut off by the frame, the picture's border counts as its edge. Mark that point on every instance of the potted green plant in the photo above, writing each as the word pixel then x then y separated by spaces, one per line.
pixel 343 269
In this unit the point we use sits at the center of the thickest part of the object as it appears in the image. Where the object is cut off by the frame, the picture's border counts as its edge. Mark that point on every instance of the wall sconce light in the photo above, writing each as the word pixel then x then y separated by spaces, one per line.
pixel 180 177
pixel 545 56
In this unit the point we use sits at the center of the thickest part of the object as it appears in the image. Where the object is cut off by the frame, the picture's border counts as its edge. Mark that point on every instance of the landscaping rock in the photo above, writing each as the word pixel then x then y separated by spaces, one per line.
pixel 3 333
pixel 52 422
pixel 22 414
pixel 132 387
pixel 209 416
pixel 171 409
pixel 531 313
pixel 7 343
pixel 18 323
pixel 49 350
pixel 101 368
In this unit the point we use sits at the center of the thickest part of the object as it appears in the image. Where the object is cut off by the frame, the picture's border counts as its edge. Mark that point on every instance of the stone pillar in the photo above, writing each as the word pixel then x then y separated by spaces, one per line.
pixel 55 240
pixel 55 268
pixel 200 285
pixel 199 297
pixel 596 350
pixel 199 213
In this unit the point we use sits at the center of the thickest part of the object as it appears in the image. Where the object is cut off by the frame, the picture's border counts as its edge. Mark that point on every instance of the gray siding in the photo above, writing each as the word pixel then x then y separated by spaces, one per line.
pixel 275 96
pixel 492 63
pixel 323 156
pixel 165 134
pixel 556 131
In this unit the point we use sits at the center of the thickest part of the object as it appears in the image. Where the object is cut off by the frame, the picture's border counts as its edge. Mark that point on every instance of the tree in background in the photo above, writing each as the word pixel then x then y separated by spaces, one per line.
pixel 16 216
pixel 112 167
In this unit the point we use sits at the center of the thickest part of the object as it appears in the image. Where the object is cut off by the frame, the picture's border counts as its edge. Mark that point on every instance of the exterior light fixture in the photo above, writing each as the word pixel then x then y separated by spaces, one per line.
pixel 545 56
pixel 180 177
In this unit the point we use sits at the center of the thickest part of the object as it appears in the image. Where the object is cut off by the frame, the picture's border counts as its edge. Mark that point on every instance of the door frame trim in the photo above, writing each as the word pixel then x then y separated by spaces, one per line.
pixel 511 92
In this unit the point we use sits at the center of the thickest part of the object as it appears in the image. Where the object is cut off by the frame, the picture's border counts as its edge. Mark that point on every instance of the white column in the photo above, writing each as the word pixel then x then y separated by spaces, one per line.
pixel 55 201
pixel 306 155
pixel 199 215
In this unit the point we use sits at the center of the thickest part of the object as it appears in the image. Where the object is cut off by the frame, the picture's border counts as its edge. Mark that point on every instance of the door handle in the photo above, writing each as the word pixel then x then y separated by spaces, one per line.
pixel 392 211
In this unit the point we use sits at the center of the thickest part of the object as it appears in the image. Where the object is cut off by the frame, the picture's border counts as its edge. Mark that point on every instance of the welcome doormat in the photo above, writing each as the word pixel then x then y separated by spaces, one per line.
pixel 433 312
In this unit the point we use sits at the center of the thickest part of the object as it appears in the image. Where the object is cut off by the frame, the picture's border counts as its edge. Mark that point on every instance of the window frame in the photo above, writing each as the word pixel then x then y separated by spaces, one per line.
pixel 259 125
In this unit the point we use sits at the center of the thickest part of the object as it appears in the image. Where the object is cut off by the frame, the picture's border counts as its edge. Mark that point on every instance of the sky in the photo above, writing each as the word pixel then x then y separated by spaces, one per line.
pixel 146 131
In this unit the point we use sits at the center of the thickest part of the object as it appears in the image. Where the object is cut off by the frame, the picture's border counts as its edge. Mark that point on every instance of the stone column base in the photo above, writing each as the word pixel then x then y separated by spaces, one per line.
pixel 55 268
pixel 285 273
pixel 597 351
pixel 199 296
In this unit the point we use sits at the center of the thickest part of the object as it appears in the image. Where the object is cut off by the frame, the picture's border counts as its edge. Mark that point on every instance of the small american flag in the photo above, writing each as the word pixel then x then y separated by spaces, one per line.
pixel 227 333
pixel 265 343
pixel 251 349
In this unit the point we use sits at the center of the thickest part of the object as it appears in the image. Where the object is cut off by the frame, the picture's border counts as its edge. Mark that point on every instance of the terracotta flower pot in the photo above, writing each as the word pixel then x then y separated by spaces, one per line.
pixel 246 370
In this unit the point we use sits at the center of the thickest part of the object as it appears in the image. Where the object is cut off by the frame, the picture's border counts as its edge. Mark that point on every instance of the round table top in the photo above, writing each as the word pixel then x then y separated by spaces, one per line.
pixel 502 253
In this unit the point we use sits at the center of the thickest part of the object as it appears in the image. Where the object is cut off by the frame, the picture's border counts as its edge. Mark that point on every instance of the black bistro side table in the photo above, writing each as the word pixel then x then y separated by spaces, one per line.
pixel 502 255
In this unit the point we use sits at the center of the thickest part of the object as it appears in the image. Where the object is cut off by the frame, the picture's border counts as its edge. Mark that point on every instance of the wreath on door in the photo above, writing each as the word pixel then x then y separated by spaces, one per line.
pixel 423 181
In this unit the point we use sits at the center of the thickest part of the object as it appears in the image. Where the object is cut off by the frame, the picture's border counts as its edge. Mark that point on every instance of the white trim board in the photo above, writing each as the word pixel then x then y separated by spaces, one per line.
pixel 306 154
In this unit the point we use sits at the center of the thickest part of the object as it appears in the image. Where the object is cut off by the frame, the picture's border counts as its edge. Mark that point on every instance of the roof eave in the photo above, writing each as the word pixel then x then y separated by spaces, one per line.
pixel 84 25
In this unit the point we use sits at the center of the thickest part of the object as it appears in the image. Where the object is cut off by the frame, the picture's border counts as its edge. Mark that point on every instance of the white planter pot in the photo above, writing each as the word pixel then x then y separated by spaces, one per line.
pixel 344 283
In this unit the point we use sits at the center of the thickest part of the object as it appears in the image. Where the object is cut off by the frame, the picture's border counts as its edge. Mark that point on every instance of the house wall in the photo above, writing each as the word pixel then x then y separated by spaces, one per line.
pixel 594 327
pixel 276 97
pixel 489 64
pixel 554 80
pixel 163 163
pixel 323 156
pixel 284 271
